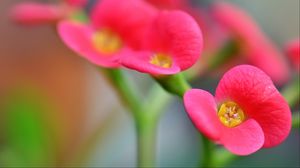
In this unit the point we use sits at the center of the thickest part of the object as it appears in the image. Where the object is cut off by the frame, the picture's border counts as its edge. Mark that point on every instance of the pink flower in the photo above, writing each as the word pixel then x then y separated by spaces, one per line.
pixel 34 13
pixel 169 4
pixel 197 13
pixel 246 114
pixel 78 3
pixel 254 45
pixel 146 41
pixel 117 30
pixel 170 46
pixel 293 51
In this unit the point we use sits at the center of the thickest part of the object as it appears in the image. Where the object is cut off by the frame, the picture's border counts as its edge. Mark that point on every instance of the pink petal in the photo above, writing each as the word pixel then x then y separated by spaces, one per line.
pixel 268 58
pixel 128 18
pixel 36 13
pixel 140 61
pixel 181 38
pixel 293 51
pixel 79 3
pixel 244 139
pixel 236 21
pixel 202 110
pixel 260 51
pixel 211 38
pixel 169 4
pixel 256 94
pixel 78 37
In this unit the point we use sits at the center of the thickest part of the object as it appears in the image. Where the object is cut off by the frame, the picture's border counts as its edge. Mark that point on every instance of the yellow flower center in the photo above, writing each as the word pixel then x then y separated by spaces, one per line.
pixel 107 42
pixel 230 114
pixel 161 60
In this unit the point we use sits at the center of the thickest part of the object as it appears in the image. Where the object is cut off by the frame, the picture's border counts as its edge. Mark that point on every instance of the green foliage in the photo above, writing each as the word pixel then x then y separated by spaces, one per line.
pixel 26 136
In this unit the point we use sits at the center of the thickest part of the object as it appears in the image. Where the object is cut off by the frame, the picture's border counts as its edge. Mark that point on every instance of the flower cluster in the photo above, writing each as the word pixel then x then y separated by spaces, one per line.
pixel 247 112
pixel 148 40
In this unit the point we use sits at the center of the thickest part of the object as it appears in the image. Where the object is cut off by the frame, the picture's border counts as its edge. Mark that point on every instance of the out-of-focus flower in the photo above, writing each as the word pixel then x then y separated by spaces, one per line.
pixel 293 51
pixel 171 45
pixel 253 44
pixel 78 3
pixel 34 13
pixel 117 29
pixel 246 114
pixel 169 4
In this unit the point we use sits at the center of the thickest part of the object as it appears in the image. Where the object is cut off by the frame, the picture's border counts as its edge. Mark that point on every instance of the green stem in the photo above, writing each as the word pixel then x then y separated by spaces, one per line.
pixel 291 92
pixel 296 119
pixel 145 118
pixel 207 152
pixel 175 84
pixel 223 157
pixel 157 100
pixel 225 53
pixel 128 95
pixel 146 126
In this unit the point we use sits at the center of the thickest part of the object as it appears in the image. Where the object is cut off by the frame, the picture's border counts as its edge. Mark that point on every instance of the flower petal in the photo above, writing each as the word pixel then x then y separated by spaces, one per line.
pixel 256 94
pixel 78 37
pixel 79 3
pixel 244 139
pixel 258 49
pixel 202 109
pixel 181 38
pixel 169 4
pixel 266 56
pixel 293 51
pixel 36 13
pixel 236 21
pixel 140 61
pixel 127 18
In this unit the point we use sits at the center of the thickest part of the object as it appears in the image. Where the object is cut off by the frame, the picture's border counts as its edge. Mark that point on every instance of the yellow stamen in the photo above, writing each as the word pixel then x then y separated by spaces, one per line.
pixel 107 42
pixel 161 60
pixel 230 114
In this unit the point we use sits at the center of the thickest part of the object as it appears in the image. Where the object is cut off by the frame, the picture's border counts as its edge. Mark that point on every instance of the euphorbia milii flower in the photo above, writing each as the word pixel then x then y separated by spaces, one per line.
pixel 253 44
pixel 293 51
pixel 173 44
pixel 33 13
pixel 246 114
pixel 117 29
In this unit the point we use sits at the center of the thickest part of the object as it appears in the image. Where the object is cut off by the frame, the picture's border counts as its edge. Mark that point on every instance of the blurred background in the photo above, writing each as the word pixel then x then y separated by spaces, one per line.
pixel 56 109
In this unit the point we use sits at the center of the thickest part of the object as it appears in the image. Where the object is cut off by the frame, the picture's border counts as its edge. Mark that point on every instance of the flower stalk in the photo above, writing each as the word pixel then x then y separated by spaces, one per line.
pixel 146 127
pixel 175 84
pixel 291 92
pixel 146 119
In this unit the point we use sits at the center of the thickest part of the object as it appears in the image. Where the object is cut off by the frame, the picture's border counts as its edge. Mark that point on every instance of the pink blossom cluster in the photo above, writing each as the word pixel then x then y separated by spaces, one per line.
pixel 163 38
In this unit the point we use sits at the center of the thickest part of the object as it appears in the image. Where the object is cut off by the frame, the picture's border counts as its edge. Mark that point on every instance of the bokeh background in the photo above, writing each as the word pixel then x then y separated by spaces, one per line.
pixel 52 101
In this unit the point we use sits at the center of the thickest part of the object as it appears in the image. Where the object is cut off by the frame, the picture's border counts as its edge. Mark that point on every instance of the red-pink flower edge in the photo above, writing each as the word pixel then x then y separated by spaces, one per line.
pixel 269 117
pixel 77 3
pixel 30 13
pixel 293 52
pixel 169 4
